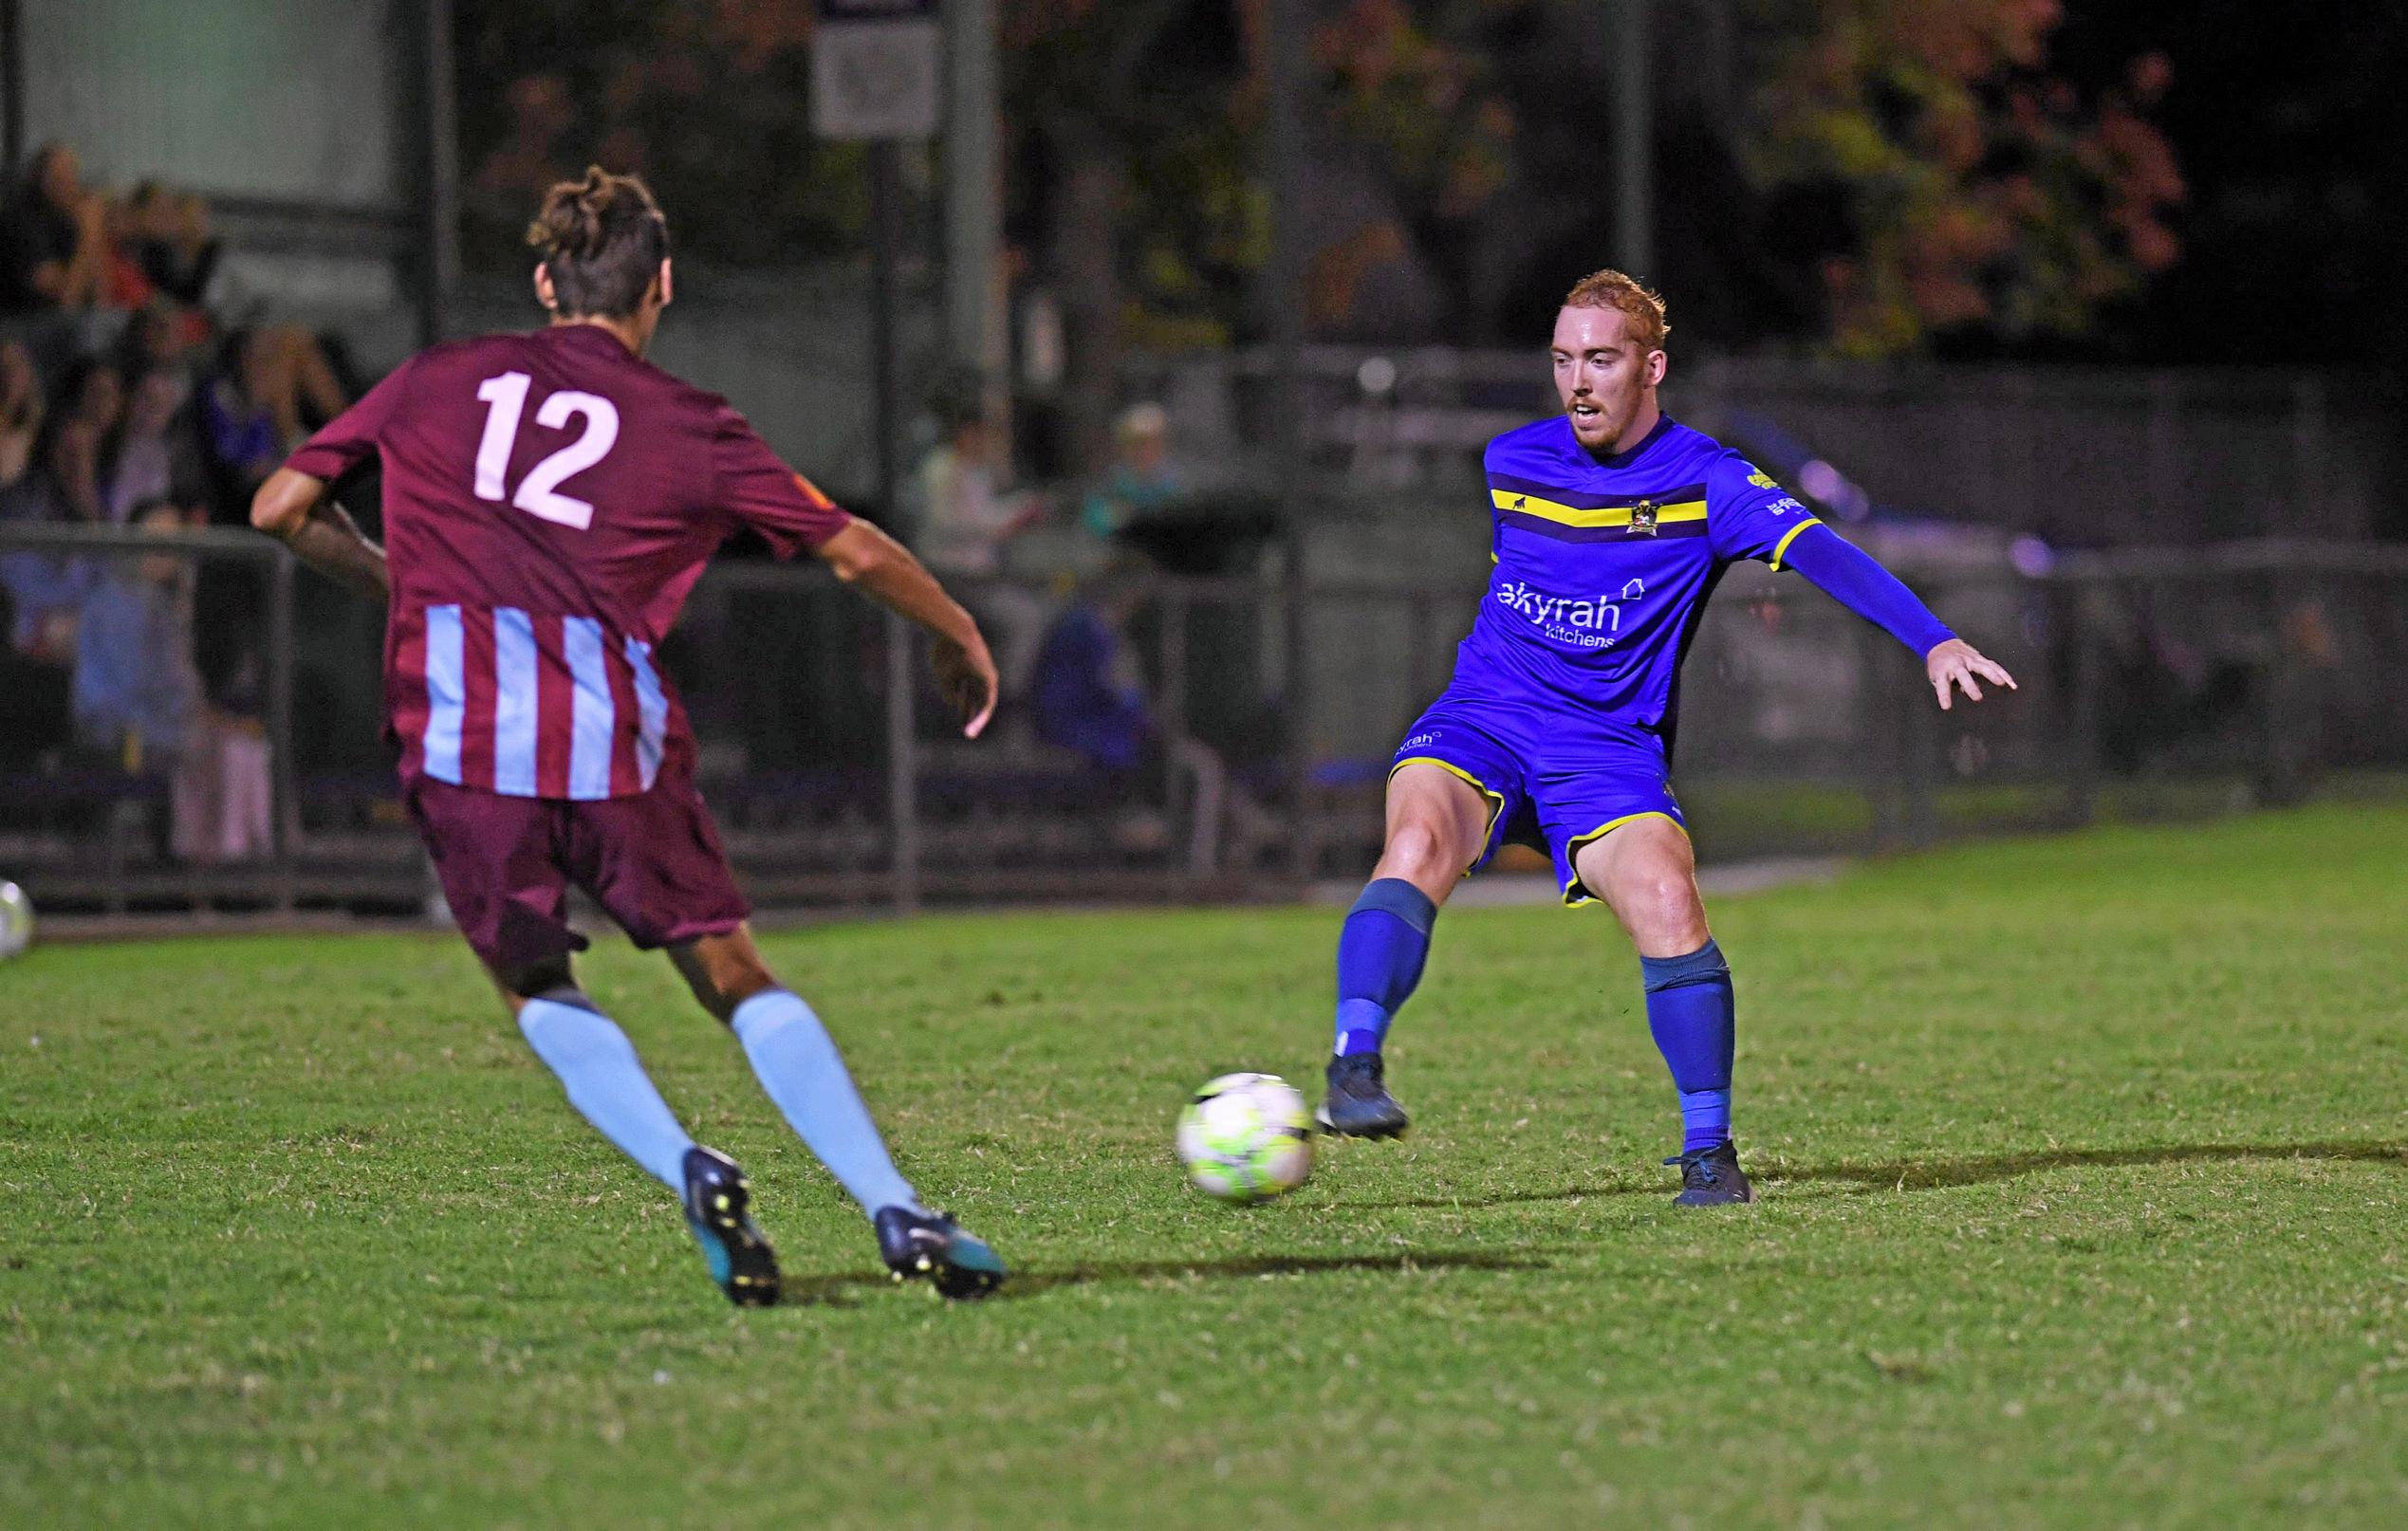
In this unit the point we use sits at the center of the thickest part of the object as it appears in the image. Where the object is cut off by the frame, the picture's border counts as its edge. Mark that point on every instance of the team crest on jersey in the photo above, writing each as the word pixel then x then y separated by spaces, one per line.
pixel 1642 518
pixel 1761 479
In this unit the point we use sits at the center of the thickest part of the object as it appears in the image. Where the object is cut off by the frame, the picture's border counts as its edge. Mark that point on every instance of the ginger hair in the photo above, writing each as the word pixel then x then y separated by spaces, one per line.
pixel 1612 289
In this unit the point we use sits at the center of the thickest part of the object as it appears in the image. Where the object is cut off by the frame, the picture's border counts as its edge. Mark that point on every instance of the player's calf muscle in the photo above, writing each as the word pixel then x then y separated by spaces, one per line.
pixel 723 971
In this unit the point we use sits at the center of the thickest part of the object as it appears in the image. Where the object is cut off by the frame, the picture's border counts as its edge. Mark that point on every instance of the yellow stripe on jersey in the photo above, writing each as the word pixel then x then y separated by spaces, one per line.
pixel 1530 505
pixel 1782 546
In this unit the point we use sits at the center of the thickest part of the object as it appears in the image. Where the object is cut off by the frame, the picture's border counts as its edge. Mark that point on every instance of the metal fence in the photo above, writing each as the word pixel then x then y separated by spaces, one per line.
pixel 2153 683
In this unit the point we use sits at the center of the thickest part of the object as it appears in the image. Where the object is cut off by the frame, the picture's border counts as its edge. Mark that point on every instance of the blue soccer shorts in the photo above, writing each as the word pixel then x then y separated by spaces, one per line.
pixel 1555 778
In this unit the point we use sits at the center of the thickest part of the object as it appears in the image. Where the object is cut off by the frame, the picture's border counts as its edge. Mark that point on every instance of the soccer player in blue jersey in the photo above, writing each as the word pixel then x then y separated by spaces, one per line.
pixel 1613 521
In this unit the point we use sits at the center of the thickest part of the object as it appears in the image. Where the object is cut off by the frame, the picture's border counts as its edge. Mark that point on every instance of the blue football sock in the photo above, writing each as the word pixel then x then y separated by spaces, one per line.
pixel 798 1065
pixel 1381 949
pixel 606 1082
pixel 1690 1011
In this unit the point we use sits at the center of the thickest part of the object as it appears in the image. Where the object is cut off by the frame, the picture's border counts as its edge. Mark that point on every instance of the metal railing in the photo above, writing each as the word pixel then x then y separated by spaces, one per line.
pixel 2153 682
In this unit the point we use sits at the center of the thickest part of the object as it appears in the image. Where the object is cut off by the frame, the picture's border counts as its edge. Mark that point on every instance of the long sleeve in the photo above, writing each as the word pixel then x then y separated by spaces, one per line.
pixel 1851 577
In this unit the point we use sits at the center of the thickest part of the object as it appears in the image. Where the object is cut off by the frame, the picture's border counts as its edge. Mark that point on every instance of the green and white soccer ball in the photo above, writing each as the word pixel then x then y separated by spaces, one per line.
pixel 16 920
pixel 1247 1137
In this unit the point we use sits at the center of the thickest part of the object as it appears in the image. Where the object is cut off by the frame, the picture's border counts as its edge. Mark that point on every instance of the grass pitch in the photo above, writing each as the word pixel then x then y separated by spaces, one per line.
pixel 2085 1204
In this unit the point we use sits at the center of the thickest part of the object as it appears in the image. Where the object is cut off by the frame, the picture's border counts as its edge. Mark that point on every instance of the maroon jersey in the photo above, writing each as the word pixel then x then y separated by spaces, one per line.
pixel 549 500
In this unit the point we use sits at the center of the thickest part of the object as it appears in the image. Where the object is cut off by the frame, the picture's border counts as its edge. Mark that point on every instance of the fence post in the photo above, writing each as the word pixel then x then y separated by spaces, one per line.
pixel 902 765
pixel 2311 510
pixel 284 808
pixel 1173 691
pixel 2082 726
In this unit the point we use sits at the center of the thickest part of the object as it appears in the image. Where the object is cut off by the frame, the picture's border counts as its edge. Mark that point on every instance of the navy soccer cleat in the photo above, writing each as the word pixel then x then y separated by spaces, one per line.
pixel 1711 1177
pixel 1359 1104
pixel 719 1205
pixel 955 1261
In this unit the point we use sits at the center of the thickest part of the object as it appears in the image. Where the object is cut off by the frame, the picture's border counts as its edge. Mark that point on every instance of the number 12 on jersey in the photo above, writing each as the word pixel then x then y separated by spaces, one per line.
pixel 505 397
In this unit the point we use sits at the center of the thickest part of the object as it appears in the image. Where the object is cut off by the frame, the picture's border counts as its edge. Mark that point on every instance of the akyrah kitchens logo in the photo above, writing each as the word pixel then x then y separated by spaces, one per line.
pixel 1584 621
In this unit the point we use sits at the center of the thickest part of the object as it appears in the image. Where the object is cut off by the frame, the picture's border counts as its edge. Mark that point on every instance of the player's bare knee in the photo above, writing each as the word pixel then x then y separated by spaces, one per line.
pixel 1663 912
pixel 1418 851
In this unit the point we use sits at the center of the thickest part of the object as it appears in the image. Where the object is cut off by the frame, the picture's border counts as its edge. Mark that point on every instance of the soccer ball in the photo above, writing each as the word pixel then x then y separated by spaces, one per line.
pixel 16 920
pixel 1246 1137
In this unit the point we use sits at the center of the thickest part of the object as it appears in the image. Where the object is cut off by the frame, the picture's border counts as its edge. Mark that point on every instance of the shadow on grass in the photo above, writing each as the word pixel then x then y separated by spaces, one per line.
pixel 1506 1198
pixel 1864 1178
pixel 1854 1177
pixel 845 1290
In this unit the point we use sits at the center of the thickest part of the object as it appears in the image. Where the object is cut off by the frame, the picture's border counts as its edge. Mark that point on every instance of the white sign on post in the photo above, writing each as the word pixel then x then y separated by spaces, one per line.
pixel 876 70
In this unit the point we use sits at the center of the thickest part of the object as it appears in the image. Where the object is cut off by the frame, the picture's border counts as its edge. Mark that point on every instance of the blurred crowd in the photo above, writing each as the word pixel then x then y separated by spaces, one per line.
pixel 138 390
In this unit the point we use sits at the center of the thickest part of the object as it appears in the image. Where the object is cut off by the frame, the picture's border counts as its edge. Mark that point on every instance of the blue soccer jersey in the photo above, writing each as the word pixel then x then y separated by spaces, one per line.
pixel 1603 567
pixel 1562 705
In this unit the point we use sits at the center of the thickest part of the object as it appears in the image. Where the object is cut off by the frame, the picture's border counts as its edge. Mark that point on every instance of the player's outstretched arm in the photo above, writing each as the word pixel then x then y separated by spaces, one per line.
pixel 293 507
pixel 863 555
pixel 1852 578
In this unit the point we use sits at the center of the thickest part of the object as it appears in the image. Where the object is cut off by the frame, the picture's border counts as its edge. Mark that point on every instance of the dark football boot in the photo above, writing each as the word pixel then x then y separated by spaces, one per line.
pixel 718 1209
pixel 931 1244
pixel 1359 1104
pixel 1711 1177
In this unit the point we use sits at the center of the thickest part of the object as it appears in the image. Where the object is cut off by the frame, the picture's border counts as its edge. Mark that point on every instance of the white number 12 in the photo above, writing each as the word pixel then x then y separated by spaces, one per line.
pixel 506 399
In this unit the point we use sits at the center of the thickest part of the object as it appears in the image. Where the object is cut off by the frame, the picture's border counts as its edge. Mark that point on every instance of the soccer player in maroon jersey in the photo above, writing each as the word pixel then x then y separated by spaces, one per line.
pixel 549 500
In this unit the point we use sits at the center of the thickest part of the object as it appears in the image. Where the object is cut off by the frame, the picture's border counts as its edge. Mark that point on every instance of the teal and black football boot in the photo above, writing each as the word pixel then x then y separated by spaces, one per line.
pixel 957 1262
pixel 718 1208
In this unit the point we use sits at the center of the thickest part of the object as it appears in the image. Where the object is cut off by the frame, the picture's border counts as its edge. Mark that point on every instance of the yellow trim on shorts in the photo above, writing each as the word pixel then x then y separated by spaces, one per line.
pixel 1574 847
pixel 1782 546
pixel 1496 799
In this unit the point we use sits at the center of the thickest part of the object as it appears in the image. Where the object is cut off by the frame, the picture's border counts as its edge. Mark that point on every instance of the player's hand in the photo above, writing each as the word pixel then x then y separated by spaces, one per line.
pixel 966 674
pixel 1957 663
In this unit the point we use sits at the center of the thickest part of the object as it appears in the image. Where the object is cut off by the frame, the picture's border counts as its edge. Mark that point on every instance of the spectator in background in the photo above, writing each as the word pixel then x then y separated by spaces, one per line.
pixel 135 688
pixel 170 241
pixel 1140 480
pixel 139 696
pixel 160 336
pixel 1089 696
pixel 53 237
pixel 154 457
pixel 20 412
pixel 62 484
pixel 270 385
pixel 965 521
pixel 1091 699
pixel 72 452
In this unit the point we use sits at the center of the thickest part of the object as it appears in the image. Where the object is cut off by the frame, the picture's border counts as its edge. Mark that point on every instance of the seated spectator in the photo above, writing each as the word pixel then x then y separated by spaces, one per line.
pixel 270 385
pixel 62 484
pixel 1089 697
pixel 53 237
pixel 137 696
pixel 135 687
pixel 72 453
pixel 155 455
pixel 171 243
pixel 160 335
pixel 20 412
pixel 965 520
pixel 34 714
pixel 1141 479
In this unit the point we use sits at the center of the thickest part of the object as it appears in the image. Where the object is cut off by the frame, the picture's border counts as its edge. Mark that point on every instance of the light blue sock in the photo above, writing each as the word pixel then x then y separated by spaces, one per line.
pixel 798 1065
pixel 606 1082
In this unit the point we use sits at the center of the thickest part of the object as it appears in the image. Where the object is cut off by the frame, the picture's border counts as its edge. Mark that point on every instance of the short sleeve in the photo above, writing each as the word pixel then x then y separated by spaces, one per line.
pixel 351 439
pixel 759 491
pixel 1747 515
